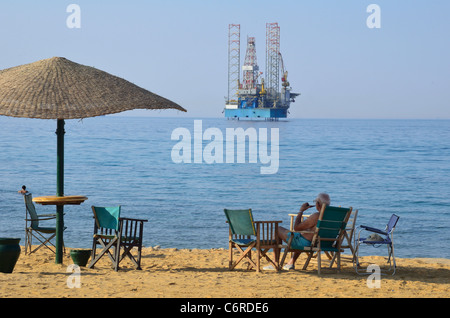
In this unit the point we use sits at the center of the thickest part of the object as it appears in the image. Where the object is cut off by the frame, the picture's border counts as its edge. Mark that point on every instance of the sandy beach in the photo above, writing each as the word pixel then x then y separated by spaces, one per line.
pixel 201 273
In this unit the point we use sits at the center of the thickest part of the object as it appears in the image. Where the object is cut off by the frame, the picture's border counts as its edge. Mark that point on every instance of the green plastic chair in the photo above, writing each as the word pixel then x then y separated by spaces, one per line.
pixel 328 236
pixel 114 232
pixel 245 233
pixel 33 229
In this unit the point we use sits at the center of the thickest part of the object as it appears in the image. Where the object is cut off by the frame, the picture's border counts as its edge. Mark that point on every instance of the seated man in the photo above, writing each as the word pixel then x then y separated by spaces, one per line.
pixel 303 239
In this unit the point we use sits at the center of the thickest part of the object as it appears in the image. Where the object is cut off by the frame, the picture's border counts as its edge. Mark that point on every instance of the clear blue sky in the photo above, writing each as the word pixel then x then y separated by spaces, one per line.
pixel 178 49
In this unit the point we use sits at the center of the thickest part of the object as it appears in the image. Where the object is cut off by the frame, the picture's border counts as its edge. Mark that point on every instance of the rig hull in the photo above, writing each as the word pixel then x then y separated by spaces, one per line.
pixel 256 113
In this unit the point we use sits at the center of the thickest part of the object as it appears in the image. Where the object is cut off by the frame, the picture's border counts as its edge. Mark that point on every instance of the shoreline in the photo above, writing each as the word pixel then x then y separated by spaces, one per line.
pixel 203 273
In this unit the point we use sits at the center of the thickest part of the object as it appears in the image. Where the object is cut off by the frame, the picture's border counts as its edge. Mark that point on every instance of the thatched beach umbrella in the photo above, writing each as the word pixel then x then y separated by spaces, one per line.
pixel 57 88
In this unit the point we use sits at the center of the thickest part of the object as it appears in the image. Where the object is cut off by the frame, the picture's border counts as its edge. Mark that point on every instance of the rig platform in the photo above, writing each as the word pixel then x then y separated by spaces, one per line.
pixel 257 97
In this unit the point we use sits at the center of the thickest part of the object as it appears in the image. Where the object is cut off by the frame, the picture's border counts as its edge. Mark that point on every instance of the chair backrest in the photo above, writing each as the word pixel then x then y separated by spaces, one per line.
pixel 240 221
pixel 351 223
pixel 392 223
pixel 330 226
pixel 107 217
pixel 31 209
pixel 350 229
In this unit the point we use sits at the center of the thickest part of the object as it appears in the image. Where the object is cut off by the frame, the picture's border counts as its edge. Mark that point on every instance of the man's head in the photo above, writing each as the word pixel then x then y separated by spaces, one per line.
pixel 322 198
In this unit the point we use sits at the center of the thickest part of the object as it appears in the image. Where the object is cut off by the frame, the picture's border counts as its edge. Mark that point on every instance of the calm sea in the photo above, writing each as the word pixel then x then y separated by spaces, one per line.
pixel 379 167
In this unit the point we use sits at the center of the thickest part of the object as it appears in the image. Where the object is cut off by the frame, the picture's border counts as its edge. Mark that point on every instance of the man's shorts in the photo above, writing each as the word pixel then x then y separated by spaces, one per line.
pixel 298 241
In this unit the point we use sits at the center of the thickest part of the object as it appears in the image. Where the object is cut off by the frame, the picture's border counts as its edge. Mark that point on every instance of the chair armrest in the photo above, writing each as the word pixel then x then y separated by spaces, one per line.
pixel 267 222
pixel 132 219
pixel 311 232
pixel 291 227
pixel 41 219
pixel 372 229
pixel 295 214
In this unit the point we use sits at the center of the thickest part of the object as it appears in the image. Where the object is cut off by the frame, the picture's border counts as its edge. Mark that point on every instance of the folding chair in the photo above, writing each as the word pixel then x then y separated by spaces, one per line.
pixel 347 241
pixel 386 238
pixel 327 237
pixel 33 229
pixel 114 232
pixel 246 233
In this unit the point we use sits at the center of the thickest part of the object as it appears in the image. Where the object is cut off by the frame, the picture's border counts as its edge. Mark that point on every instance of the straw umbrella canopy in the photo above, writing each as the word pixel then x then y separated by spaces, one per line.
pixel 57 88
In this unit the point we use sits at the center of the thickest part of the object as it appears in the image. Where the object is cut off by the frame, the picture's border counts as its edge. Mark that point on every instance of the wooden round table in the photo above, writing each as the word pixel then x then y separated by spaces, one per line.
pixel 60 201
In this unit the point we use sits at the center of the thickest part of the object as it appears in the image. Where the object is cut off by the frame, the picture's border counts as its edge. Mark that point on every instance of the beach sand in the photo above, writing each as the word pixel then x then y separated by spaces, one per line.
pixel 201 273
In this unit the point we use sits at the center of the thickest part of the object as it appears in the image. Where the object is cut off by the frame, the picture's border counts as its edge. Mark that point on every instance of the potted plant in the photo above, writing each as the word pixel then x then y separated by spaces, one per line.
pixel 9 254
pixel 80 257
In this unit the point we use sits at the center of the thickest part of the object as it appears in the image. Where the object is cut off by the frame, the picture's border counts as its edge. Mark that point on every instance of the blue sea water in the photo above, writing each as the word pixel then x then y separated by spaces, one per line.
pixel 379 167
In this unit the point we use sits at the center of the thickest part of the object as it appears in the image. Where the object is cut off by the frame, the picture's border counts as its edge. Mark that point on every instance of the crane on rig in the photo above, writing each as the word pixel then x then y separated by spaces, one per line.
pixel 284 72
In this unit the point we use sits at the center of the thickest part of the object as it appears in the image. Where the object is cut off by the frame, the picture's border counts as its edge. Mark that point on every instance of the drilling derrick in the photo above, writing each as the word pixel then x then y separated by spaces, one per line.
pixel 234 56
pixel 252 99
pixel 272 60
pixel 250 68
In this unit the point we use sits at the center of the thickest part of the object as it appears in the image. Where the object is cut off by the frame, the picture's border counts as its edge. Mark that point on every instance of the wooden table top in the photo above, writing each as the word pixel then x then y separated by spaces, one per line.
pixel 56 200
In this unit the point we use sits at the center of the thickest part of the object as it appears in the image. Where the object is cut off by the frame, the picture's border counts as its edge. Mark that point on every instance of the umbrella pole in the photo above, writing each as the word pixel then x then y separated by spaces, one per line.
pixel 59 190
